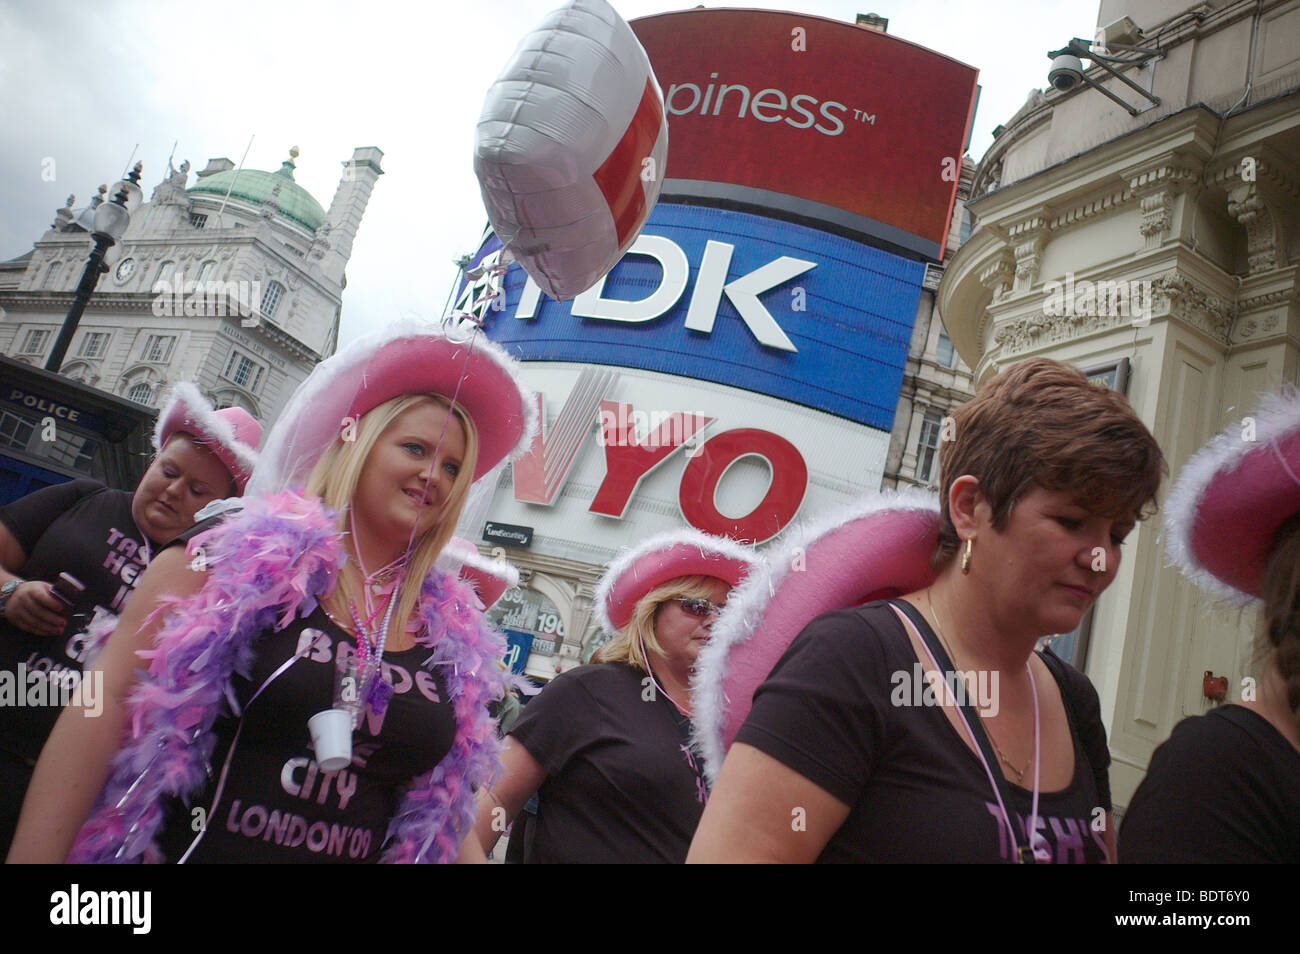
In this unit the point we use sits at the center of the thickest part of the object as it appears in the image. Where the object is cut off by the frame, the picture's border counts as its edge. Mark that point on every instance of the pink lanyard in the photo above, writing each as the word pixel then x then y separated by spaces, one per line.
pixel 1036 841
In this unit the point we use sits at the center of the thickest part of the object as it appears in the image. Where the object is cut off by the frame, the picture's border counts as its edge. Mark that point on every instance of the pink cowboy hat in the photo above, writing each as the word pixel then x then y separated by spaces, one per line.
pixel 490 578
pixel 664 557
pixel 1231 498
pixel 407 357
pixel 875 548
pixel 232 434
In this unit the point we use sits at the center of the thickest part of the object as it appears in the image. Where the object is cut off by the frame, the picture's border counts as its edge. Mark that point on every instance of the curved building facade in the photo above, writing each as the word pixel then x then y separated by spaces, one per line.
pixel 1157 247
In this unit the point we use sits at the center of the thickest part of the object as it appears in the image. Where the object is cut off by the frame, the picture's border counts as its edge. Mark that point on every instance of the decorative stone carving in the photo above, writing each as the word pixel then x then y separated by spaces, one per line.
pixel 171 191
pixel 1265 234
pixel 1027 259
pixel 1155 188
pixel 1156 209
pixel 321 244
pixel 1172 295
pixel 998 276
pixel 1190 303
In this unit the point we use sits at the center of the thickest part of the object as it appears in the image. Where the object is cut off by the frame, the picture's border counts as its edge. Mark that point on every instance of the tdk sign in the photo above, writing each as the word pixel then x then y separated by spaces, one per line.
pixel 739 299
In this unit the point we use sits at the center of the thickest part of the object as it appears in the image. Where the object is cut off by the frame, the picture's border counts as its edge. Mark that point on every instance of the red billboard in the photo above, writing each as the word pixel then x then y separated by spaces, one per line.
pixel 814 118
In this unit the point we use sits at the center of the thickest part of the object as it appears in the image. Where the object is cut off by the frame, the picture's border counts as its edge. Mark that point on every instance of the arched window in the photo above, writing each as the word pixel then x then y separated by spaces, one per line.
pixel 140 393
pixel 271 299
pixel 51 273
pixel 165 271
pixel 206 271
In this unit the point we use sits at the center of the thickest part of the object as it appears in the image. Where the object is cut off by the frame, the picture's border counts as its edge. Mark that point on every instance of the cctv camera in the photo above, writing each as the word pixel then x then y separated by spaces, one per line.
pixel 1066 72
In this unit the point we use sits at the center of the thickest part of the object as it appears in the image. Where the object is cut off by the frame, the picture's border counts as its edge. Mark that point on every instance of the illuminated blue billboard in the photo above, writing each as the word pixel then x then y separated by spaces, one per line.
pixel 738 299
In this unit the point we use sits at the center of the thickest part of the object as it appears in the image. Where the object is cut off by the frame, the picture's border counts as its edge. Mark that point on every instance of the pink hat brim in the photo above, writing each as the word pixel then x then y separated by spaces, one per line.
pixel 407 357
pixel 1231 498
pixel 878 547
pixel 490 578
pixel 661 558
pixel 427 365
pixel 231 434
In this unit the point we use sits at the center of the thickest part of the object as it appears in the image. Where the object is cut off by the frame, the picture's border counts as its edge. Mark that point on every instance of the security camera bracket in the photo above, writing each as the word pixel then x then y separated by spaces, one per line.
pixel 1083 49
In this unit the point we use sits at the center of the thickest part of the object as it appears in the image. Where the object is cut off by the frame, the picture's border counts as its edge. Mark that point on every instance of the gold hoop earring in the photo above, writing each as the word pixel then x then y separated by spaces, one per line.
pixel 965 557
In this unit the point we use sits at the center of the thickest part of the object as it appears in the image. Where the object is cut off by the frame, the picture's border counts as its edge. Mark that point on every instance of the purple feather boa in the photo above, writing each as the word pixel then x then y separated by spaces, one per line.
pixel 265 566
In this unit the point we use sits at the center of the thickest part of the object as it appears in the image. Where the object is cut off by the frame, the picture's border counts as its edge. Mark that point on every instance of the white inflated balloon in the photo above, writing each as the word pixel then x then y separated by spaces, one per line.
pixel 571 147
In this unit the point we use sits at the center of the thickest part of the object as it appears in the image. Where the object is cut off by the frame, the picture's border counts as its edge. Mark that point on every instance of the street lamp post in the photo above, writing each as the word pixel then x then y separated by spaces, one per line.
pixel 111 220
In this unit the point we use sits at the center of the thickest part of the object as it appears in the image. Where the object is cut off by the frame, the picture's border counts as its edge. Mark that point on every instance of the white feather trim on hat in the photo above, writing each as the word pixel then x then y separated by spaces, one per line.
pixel 285 456
pixel 200 411
pixel 745 607
pixel 453 557
pixel 1276 416
pixel 725 547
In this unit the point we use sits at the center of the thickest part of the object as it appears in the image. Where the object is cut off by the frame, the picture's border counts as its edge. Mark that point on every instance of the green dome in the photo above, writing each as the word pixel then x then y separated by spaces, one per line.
pixel 255 186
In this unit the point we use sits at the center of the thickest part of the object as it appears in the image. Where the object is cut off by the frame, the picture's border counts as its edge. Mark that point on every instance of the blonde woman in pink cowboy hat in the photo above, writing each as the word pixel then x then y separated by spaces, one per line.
pixel 75 550
pixel 315 687
pixel 607 746
pixel 1225 787
pixel 927 728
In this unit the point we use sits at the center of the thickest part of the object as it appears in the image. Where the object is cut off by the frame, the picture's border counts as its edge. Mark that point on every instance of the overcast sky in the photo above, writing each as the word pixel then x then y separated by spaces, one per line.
pixel 84 83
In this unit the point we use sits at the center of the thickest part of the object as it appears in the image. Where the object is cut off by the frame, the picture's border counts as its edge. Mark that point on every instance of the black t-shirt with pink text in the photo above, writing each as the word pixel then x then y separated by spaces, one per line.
pixel 622 785
pixel 85 529
pixel 916 792
pixel 277 804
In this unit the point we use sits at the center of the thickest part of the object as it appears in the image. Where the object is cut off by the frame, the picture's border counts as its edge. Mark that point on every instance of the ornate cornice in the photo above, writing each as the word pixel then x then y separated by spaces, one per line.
pixel 1171 295
pixel 1087 210
pixel 1178 297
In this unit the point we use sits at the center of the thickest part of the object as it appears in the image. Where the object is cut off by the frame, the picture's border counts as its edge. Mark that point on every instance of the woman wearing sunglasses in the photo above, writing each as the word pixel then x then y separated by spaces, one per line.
pixel 606 746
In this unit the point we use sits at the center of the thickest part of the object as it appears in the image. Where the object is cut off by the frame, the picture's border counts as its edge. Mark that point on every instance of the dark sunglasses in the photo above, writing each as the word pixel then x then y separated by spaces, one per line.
pixel 697 608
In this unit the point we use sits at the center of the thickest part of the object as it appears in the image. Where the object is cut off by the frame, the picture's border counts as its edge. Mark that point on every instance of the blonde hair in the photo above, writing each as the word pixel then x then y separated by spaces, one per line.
pixel 626 647
pixel 334 480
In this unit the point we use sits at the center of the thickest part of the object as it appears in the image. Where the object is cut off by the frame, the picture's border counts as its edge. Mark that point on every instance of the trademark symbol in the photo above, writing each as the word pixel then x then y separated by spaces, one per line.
pixel 949 171
pixel 798 819
pixel 1247 688
pixel 800 299
pixel 799 43
pixel 648 173
pixel 647 689
pixel 498 819
pixel 1247 168
pixel 1098 559
pixel 198 819
pixel 47 429
pixel 1099 819
pixel 349 434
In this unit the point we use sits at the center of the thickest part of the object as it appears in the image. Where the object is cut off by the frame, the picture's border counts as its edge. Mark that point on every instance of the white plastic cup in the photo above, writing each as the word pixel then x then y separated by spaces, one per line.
pixel 331 738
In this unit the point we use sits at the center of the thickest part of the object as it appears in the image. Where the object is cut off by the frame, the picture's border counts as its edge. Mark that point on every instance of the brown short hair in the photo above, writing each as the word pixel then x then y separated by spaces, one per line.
pixel 1043 423
pixel 1281 618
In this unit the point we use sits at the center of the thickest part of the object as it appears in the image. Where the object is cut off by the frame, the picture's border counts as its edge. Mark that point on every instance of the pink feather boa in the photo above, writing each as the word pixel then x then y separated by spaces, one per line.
pixel 265 565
